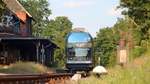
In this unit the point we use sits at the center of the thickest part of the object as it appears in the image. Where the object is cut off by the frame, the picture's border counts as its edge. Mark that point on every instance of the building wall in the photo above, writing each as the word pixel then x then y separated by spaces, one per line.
pixel 25 24
pixel 16 24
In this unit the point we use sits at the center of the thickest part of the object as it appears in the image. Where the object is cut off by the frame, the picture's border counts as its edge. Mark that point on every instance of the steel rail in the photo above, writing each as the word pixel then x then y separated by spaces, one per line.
pixel 57 78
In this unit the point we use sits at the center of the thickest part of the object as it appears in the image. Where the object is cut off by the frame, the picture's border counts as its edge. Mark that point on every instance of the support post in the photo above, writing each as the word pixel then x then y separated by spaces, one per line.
pixel 43 54
pixel 37 51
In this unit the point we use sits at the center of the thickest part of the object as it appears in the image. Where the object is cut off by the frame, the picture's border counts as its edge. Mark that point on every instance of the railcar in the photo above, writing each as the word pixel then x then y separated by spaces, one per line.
pixel 79 51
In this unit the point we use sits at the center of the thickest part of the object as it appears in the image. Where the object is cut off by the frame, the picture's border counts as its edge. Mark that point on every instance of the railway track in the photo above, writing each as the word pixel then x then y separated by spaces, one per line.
pixel 56 78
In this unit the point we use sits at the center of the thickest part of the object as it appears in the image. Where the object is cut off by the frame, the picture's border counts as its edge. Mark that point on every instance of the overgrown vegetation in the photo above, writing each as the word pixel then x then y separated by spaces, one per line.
pixel 136 73
pixel 136 52
pixel 134 29
pixel 23 68
pixel 107 40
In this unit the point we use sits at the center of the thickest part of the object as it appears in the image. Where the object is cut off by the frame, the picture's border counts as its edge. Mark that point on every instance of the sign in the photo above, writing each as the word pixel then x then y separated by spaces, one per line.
pixel 123 56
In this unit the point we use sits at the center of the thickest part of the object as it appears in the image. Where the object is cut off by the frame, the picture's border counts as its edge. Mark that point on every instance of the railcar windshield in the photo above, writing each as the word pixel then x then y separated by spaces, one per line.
pixel 79 46
pixel 75 37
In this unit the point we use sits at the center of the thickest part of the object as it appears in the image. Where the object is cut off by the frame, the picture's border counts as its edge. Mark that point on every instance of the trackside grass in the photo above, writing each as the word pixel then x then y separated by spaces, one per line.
pixel 137 72
pixel 24 68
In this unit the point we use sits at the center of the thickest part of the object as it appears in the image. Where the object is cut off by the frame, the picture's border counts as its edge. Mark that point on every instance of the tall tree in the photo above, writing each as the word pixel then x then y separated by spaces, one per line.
pixel 139 11
pixel 57 30
pixel 105 46
pixel 40 11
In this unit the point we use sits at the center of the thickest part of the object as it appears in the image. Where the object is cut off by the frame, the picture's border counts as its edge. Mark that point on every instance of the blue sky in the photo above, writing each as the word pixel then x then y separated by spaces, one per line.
pixel 90 14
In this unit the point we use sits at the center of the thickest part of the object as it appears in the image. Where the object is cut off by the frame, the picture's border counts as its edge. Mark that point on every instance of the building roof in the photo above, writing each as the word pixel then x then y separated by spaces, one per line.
pixel 47 42
pixel 79 29
pixel 15 6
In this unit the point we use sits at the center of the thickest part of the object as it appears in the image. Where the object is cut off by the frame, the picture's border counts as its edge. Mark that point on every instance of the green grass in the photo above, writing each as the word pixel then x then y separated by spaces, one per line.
pixel 24 68
pixel 137 72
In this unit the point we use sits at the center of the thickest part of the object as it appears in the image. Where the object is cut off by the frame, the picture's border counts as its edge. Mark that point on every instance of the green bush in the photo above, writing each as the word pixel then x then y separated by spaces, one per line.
pixel 137 51
pixel 112 59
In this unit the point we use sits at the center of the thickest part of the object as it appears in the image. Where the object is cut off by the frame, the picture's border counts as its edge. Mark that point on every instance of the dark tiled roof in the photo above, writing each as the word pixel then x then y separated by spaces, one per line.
pixel 15 6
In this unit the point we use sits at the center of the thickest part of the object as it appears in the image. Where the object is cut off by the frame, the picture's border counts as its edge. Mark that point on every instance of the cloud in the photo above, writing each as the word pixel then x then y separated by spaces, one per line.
pixel 78 3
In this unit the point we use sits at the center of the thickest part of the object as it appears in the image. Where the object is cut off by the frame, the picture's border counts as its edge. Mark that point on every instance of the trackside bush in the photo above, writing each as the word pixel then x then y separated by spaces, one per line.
pixel 137 51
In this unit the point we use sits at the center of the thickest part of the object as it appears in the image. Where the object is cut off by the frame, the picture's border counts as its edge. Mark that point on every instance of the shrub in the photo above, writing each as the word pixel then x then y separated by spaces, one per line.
pixel 137 51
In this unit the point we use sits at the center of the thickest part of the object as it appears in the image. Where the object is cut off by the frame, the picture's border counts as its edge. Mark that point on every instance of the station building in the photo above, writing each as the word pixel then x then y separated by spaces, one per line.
pixel 16 40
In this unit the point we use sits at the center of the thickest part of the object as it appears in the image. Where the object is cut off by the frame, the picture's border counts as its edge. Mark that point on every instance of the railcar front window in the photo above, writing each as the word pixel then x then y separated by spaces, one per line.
pixel 76 37
pixel 78 46
pixel 79 52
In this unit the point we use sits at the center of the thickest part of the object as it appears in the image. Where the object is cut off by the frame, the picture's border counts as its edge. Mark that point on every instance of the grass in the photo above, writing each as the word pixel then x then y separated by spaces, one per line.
pixel 24 68
pixel 137 72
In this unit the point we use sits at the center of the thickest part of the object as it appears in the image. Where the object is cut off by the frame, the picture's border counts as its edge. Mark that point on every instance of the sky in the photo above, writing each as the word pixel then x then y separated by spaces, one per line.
pixel 89 14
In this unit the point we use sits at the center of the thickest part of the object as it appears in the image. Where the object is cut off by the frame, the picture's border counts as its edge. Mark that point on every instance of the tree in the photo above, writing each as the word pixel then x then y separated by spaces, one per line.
pixel 108 38
pixel 139 11
pixel 130 29
pixel 2 7
pixel 105 46
pixel 40 11
pixel 57 30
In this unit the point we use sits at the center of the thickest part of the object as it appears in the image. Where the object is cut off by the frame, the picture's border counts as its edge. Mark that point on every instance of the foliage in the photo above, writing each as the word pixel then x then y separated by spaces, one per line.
pixel 39 9
pixel 24 68
pixel 136 52
pixel 139 11
pixel 134 29
pixel 2 7
pixel 105 45
pixel 57 30
pixel 132 36
pixel 128 30
pixel 108 39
